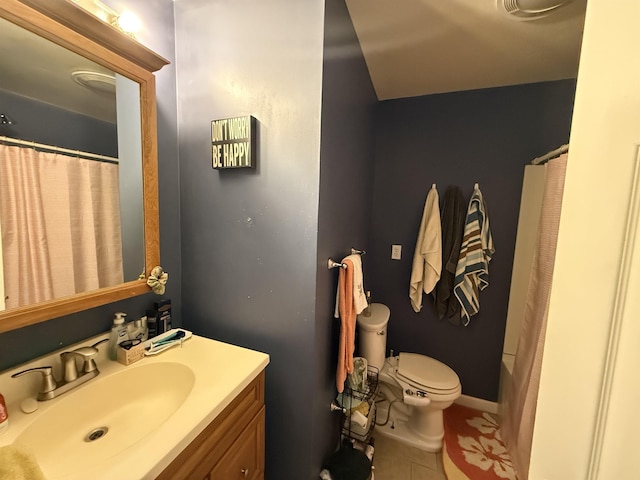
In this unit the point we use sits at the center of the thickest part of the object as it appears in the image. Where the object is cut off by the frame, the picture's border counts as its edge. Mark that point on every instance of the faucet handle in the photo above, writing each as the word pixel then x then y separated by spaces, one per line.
pixel 69 363
pixel 48 382
pixel 95 345
pixel 87 354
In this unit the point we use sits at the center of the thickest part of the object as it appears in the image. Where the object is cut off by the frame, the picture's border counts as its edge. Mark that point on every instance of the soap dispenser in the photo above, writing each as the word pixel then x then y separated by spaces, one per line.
pixel 118 334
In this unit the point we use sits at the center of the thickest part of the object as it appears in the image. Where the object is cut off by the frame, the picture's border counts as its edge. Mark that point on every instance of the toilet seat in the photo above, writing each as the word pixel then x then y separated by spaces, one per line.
pixel 427 374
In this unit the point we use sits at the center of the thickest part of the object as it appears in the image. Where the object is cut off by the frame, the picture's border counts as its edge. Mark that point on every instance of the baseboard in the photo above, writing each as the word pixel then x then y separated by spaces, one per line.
pixel 478 404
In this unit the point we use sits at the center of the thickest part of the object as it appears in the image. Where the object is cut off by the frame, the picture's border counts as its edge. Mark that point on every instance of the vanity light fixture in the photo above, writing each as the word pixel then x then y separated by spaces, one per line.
pixel 98 9
pixel 127 22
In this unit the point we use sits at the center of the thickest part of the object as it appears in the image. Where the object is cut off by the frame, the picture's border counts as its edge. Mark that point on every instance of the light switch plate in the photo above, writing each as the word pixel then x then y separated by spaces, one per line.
pixel 396 252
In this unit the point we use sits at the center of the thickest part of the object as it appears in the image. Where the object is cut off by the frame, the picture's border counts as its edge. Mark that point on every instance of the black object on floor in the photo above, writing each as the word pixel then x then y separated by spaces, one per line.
pixel 348 463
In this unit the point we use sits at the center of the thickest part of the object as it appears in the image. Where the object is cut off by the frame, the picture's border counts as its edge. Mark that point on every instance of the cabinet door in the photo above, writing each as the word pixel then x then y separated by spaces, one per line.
pixel 245 458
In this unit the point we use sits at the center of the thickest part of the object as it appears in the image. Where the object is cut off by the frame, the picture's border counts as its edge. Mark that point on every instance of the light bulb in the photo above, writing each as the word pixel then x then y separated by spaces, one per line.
pixel 129 22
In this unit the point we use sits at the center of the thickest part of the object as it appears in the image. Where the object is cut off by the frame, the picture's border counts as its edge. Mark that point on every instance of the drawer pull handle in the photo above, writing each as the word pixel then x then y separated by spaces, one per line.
pixel 245 472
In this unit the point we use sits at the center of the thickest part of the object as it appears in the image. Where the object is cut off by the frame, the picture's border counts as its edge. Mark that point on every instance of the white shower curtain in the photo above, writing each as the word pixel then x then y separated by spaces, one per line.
pixel 60 223
pixel 519 417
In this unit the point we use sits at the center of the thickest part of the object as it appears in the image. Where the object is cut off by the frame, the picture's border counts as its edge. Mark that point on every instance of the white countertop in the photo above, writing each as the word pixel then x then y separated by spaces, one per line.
pixel 221 372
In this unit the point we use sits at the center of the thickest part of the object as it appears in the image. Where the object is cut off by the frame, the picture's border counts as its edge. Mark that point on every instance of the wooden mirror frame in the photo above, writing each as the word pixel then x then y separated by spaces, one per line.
pixel 66 24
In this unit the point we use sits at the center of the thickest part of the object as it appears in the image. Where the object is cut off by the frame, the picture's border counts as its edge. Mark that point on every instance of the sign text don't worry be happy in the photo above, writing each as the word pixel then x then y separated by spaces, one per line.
pixel 233 142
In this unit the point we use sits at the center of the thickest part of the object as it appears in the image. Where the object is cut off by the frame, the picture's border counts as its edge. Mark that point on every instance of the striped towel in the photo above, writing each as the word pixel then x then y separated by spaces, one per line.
pixel 472 272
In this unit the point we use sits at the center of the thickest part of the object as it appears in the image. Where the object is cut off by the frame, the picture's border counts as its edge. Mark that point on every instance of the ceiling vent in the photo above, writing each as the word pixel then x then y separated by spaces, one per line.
pixel 531 9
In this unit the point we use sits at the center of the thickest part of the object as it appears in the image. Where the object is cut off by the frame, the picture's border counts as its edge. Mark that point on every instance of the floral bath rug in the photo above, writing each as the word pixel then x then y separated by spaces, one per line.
pixel 473 449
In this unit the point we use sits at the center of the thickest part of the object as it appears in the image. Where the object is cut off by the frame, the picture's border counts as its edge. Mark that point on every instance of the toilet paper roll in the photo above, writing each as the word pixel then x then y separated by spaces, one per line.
pixel 359 419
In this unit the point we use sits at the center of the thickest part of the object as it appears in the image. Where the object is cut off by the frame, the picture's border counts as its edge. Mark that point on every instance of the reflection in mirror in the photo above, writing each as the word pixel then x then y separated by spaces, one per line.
pixel 71 202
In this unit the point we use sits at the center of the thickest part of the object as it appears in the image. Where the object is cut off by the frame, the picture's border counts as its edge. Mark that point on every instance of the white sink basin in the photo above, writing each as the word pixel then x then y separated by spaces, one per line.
pixel 107 415
pixel 153 409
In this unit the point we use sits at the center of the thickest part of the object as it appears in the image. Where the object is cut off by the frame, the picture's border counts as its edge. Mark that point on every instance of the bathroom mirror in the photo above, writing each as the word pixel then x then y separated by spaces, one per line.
pixel 116 105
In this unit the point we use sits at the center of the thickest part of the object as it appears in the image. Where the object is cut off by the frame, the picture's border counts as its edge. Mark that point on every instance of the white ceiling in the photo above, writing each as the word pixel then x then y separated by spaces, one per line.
pixel 36 68
pixel 411 47
pixel 420 47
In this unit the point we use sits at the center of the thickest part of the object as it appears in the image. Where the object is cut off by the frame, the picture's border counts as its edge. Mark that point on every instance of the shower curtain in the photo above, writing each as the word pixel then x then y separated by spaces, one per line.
pixel 60 223
pixel 519 417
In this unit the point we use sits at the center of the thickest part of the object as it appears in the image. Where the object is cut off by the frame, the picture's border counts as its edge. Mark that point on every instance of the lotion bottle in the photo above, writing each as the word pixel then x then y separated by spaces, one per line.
pixel 118 334
pixel 138 329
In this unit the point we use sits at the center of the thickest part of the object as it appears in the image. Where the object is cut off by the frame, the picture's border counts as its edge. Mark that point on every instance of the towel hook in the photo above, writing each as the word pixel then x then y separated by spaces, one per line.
pixel 357 252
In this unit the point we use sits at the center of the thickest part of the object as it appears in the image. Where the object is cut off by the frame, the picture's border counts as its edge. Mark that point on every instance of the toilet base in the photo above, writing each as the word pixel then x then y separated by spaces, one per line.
pixel 398 428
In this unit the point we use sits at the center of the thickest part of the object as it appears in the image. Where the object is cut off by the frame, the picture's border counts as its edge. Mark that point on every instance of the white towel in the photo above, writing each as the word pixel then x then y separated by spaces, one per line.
pixel 472 272
pixel 427 258
pixel 359 296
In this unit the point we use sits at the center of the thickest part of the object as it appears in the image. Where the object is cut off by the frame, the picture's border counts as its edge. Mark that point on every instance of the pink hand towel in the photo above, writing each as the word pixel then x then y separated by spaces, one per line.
pixel 347 324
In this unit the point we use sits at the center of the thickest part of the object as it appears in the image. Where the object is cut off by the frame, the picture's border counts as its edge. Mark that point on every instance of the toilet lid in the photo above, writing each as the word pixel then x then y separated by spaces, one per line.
pixel 427 371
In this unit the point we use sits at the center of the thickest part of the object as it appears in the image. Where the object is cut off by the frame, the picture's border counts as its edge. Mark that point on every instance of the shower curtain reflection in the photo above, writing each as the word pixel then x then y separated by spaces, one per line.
pixel 60 223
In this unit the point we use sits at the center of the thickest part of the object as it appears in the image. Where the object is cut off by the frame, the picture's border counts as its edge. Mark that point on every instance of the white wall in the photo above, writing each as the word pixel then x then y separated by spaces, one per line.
pixel 587 307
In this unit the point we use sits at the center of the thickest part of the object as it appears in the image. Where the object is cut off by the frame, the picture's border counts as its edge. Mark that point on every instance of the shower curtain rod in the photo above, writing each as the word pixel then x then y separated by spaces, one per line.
pixel 78 153
pixel 552 154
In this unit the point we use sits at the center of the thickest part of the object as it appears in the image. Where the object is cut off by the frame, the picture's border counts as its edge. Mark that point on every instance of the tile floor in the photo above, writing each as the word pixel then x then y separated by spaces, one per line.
pixel 393 460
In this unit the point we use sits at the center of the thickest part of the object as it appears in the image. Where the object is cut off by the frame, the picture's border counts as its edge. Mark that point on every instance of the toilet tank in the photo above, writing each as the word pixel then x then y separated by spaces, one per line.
pixel 372 333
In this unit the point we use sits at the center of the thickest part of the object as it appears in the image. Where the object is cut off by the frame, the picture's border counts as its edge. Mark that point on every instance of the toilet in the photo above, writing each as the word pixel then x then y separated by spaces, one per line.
pixel 414 388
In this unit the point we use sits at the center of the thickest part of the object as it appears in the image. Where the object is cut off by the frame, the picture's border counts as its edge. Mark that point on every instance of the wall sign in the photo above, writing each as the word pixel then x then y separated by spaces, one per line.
pixel 233 142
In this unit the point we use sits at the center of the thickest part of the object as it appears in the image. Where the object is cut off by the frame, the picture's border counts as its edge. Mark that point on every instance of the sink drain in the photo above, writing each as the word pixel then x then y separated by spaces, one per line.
pixel 96 434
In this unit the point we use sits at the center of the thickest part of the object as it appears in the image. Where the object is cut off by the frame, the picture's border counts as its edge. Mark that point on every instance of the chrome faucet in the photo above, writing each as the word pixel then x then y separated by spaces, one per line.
pixel 70 368
pixel 70 379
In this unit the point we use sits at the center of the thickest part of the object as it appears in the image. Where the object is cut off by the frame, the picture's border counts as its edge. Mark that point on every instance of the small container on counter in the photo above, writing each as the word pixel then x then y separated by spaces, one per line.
pixel 4 415
pixel 159 318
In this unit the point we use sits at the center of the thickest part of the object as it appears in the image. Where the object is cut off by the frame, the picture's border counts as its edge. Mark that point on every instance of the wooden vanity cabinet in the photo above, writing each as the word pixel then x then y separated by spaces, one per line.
pixel 231 447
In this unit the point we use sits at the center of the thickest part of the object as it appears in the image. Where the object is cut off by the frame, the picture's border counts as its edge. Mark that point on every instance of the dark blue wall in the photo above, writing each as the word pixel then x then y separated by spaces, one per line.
pixel 43 123
pixel 484 136
pixel 346 182
pixel 249 237
pixel 24 344
pixel 246 250
pixel 256 243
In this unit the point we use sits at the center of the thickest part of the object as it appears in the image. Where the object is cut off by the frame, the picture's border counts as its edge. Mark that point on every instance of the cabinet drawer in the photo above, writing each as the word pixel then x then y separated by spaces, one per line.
pixel 245 458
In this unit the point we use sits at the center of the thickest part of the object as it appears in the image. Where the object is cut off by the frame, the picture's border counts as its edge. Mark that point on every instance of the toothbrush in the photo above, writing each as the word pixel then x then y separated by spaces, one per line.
pixel 165 343
pixel 171 338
